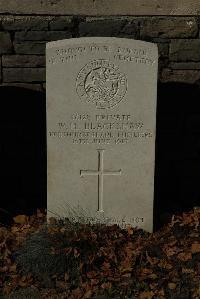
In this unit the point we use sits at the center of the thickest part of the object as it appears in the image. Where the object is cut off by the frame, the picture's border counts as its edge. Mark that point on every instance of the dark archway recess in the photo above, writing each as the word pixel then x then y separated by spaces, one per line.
pixel 177 167
pixel 23 151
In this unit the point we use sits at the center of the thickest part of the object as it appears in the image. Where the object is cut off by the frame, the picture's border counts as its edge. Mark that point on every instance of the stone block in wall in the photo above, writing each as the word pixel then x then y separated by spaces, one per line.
pixel 184 65
pixel 131 27
pixel 34 86
pixel 169 27
pixel 24 74
pixel 184 76
pixel 163 49
pixel 61 23
pixel 101 27
pixel 5 43
pixel 30 47
pixel 41 35
pixel 25 22
pixel 23 61
pixel 162 63
pixel 184 50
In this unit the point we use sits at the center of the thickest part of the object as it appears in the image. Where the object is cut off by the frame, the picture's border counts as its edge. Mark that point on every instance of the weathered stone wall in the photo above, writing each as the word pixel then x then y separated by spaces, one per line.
pixel 23 38
pixel 101 7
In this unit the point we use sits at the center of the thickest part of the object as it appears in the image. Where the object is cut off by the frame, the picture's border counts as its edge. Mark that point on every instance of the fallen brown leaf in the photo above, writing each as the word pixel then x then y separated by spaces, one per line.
pixel 21 219
pixel 195 248
pixel 171 285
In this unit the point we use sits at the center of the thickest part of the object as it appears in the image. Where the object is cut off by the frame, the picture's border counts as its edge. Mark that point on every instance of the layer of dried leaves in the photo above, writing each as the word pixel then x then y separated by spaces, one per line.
pixel 62 260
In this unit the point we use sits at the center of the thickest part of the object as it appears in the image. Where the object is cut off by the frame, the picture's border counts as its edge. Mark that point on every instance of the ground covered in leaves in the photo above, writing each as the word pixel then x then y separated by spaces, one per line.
pixel 63 259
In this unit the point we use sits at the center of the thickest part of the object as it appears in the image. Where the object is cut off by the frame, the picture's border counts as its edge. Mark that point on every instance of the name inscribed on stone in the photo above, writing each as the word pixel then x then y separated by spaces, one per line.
pixel 101 129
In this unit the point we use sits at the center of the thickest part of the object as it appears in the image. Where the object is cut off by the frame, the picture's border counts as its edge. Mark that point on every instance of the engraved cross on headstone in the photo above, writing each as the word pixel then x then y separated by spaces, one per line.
pixel 100 173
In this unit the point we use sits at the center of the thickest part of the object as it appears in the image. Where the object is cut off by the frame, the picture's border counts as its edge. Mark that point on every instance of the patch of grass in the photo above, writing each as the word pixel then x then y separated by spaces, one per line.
pixel 38 257
pixel 51 250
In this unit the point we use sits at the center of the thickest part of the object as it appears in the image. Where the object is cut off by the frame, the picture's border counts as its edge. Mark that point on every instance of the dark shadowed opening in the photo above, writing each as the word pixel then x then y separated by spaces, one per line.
pixel 23 151
pixel 177 169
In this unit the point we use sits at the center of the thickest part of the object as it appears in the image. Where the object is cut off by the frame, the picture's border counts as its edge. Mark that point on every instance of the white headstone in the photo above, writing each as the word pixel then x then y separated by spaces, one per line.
pixel 101 125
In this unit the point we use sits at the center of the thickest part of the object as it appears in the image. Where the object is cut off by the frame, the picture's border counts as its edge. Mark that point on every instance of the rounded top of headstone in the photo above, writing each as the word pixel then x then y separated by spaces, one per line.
pixel 124 42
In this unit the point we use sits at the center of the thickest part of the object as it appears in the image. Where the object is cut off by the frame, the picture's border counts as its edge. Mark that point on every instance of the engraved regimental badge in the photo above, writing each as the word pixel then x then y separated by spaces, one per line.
pixel 101 83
